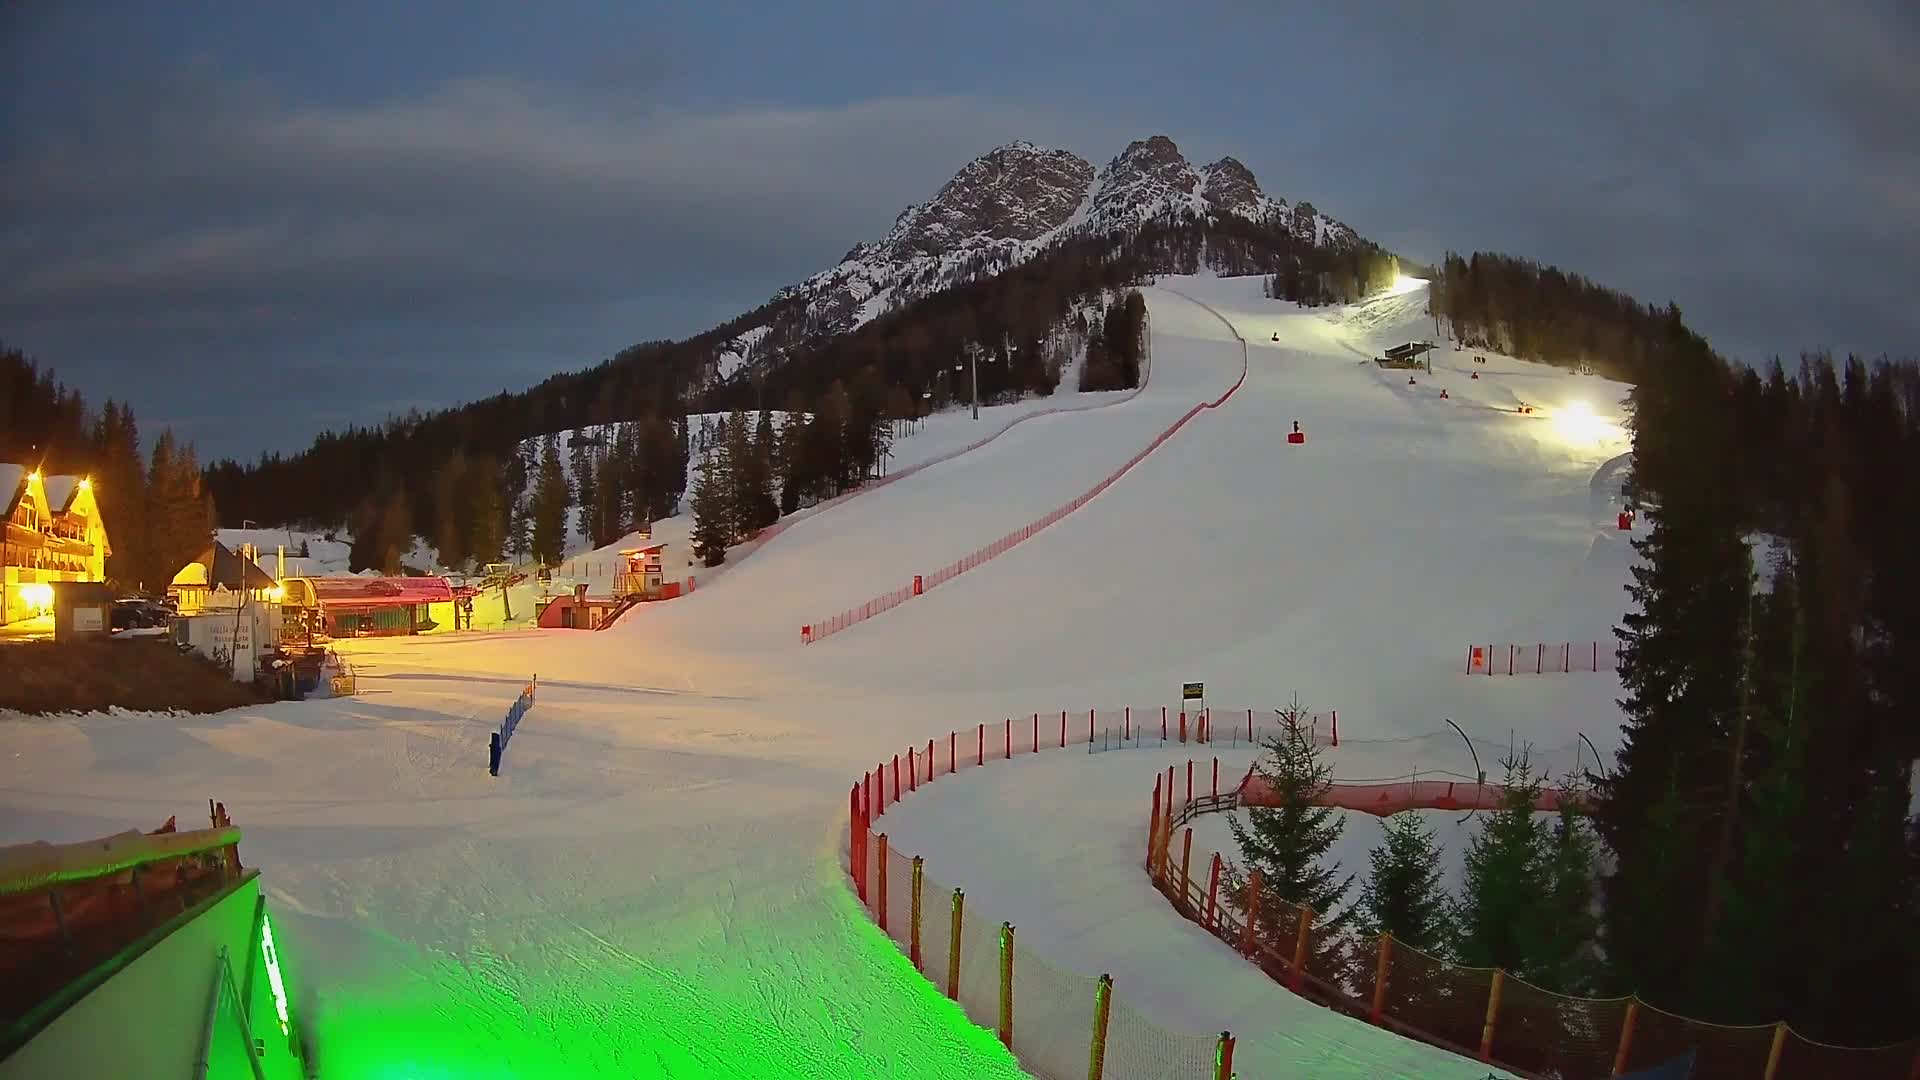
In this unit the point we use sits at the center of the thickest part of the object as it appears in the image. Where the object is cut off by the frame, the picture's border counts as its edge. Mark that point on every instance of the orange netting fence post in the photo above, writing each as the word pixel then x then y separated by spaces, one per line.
pixel 913 771
pixel 1153 822
pixel 1773 1052
pixel 929 761
pixel 1626 1037
pixel 856 845
pixel 913 948
pixel 1102 1011
pixel 1213 892
pixel 1380 979
pixel 953 759
pixel 1223 1057
pixel 953 947
pixel 881 906
pixel 1493 1012
pixel 1006 984
pixel 1186 857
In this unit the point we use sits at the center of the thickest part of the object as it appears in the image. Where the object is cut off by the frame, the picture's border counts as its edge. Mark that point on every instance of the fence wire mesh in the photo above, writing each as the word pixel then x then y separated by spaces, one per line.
pixel 1543 1032
pixel 1139 1049
pixel 1053 1014
pixel 980 970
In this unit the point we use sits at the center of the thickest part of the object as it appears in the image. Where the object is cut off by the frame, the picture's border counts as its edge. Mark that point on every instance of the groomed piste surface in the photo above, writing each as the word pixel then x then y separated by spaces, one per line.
pixel 653 886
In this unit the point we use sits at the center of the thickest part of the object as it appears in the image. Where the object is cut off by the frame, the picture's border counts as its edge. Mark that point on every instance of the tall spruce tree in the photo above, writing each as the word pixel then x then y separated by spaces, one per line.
pixel 580 452
pixel 1680 665
pixel 1403 895
pixel 712 514
pixel 1288 843
pixel 550 501
pixel 1565 954
pixel 1505 890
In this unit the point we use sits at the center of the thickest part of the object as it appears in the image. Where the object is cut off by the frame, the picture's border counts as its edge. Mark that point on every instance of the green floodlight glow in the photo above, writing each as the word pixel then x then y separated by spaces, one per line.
pixel 691 1014
pixel 274 981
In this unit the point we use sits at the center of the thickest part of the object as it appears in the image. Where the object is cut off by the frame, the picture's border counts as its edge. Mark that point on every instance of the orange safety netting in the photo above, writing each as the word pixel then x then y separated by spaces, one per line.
pixel 1522 1027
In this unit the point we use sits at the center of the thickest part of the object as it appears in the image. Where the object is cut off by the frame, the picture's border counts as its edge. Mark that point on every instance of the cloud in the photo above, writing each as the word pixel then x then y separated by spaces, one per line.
pixel 482 208
pixel 481 182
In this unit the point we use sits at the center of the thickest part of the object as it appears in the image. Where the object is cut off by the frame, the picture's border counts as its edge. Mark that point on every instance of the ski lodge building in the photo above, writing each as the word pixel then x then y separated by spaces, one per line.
pixel 50 531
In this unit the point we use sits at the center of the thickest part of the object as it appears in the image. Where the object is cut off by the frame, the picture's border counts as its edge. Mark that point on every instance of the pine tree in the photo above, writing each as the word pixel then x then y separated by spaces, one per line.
pixel 484 514
pixel 1565 959
pixel 1288 843
pixel 452 528
pixel 395 531
pixel 120 489
pixel 1402 895
pixel 1743 973
pixel 711 524
pixel 1505 891
pixel 585 485
pixel 550 501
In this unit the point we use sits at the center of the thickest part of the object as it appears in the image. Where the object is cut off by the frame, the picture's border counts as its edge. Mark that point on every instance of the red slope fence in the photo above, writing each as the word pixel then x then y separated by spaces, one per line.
pixel 1058 1024
pixel 833 624
pixel 1542 658
pixel 1487 1014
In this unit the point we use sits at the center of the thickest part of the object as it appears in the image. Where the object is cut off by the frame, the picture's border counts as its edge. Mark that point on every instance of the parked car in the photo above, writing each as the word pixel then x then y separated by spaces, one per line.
pixel 140 613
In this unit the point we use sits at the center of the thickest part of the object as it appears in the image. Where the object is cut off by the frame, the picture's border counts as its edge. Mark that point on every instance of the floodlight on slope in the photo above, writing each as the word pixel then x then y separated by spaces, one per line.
pixel 1404 284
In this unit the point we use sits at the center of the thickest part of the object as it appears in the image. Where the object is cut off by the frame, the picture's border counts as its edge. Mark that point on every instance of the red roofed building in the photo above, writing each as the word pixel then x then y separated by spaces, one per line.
pixel 368 606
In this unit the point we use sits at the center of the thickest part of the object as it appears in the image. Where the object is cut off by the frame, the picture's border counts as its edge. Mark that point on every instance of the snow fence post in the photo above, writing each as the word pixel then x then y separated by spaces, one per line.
pixel 980 750
pixel 1216 776
pixel 1253 913
pixel 1090 713
pixel 1183 725
pixel 880 782
pixel 1297 978
pixel 929 761
pixel 1773 1053
pixel 1063 728
pixel 1213 893
pixel 913 771
pixel 1006 984
pixel 1336 727
pixel 1126 724
pixel 1184 806
pixel 1380 978
pixel 953 947
pixel 493 754
pixel 1626 1038
pixel 856 855
pixel 1186 858
pixel 913 948
pixel 896 778
pixel 1102 1008
pixel 1493 1011
pixel 953 761
pixel 1223 1057
pixel 1153 821
pixel 881 905
pixel 1009 735
pixel 1036 733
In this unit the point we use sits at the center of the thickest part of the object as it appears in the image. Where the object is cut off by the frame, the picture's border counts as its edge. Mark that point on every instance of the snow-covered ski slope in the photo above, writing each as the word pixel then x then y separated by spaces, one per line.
pixel 653 886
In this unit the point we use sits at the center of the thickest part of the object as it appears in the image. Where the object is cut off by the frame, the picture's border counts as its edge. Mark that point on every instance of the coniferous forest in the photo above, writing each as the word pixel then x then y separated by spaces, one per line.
pixel 1764 860
pixel 433 474
pixel 154 504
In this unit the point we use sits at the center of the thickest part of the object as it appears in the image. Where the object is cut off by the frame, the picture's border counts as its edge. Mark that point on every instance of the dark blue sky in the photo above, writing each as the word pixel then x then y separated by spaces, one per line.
pixel 257 223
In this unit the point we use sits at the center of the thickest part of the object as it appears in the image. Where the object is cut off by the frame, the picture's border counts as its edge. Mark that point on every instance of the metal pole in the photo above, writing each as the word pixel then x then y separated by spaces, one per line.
pixel 973 360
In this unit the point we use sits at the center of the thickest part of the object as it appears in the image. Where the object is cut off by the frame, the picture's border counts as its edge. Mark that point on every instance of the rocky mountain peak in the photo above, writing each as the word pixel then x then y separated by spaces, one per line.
pixel 1149 178
pixel 1230 188
pixel 1015 192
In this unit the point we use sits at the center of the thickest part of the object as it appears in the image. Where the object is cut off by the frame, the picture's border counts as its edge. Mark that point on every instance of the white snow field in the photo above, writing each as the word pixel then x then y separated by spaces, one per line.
pixel 654 886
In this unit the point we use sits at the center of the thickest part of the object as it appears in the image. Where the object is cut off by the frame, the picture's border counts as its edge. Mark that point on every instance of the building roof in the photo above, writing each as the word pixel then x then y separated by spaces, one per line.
pixel 229 569
pixel 379 591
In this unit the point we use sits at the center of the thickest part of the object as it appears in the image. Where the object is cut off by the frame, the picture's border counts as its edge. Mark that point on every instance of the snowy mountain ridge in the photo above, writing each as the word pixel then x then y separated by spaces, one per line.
pixel 1010 205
